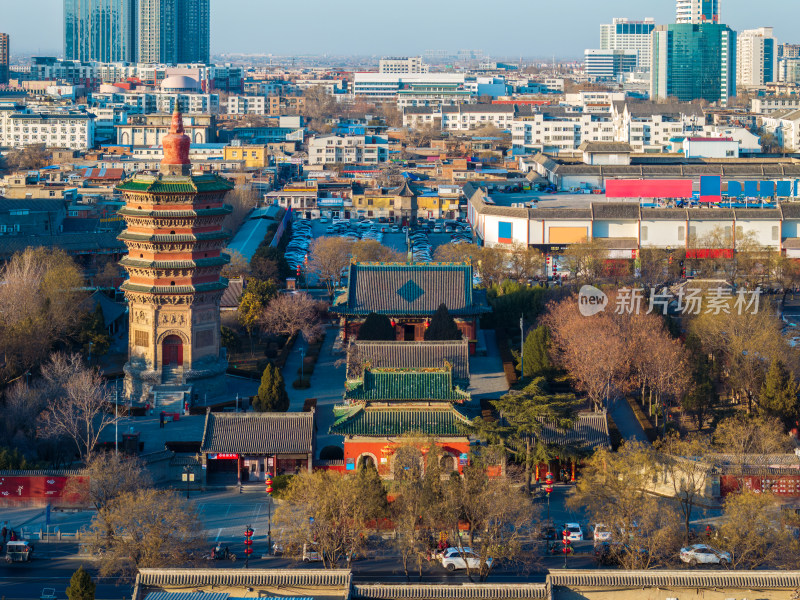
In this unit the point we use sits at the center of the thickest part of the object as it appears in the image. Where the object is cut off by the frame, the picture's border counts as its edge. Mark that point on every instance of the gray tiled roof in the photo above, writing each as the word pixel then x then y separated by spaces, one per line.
pixel 790 210
pixel 479 108
pixel 560 213
pixel 439 591
pixel 411 355
pixel 409 289
pixel 616 210
pixel 605 147
pixel 759 214
pixel 71 243
pixel 32 204
pixel 589 431
pixel 325 579
pixel 664 214
pixel 232 294
pixel 601 578
pixel 259 433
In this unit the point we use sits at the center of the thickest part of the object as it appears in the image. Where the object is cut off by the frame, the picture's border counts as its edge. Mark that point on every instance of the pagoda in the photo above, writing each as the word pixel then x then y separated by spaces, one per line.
pixel 175 238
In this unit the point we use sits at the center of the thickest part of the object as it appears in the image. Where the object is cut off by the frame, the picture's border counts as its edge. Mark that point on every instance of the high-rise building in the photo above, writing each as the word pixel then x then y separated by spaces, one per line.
pixel 697 11
pixel 609 64
pixel 5 57
pixel 100 30
pixel 692 62
pixel 756 58
pixel 174 31
pixel 402 64
pixel 789 51
pixel 623 34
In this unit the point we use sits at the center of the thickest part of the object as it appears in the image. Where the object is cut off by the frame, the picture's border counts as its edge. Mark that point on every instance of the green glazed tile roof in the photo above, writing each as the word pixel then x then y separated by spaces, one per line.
pixel 391 421
pixel 198 212
pixel 413 289
pixel 172 237
pixel 175 289
pixel 175 264
pixel 175 185
pixel 406 384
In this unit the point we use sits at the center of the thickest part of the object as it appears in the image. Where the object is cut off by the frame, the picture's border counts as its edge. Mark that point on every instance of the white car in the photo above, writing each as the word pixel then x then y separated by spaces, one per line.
pixel 601 533
pixel 702 554
pixel 575 533
pixel 455 558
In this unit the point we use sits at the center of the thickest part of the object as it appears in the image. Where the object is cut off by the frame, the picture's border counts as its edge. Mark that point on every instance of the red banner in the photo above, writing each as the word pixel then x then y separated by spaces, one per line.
pixel 780 485
pixel 651 188
pixel 35 489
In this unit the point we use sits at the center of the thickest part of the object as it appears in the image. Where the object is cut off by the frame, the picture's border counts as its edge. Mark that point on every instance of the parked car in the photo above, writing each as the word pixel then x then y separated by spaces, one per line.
pixel 455 558
pixel 703 554
pixel 310 553
pixel 601 533
pixel 575 532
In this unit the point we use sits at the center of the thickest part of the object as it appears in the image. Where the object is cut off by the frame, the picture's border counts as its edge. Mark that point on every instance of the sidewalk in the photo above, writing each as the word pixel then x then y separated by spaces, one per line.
pixel 327 386
pixel 627 424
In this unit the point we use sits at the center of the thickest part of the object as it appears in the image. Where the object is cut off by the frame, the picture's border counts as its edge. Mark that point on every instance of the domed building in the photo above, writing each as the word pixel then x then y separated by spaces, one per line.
pixel 174 237
pixel 176 84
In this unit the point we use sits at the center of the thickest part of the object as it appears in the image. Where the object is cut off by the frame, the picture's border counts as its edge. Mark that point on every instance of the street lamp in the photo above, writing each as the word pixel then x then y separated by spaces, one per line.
pixel 187 476
pixel 302 364
pixel 248 545
pixel 269 513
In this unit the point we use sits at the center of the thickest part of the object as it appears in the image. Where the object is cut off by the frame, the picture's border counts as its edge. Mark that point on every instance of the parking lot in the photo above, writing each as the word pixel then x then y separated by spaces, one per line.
pixel 424 238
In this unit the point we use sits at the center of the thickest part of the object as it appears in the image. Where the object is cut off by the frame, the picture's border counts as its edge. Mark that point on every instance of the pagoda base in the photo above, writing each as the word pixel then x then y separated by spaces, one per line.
pixel 197 385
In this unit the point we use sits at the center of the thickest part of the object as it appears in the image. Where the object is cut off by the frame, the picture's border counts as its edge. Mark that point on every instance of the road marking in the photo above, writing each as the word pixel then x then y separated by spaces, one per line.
pixel 216 539
pixel 258 514
pixel 227 511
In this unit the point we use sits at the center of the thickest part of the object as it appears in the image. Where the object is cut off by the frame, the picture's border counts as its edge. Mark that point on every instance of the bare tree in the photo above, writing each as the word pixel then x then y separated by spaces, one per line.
pixel 288 314
pixel 106 477
pixel 78 409
pixel 328 258
pixel 34 156
pixel 238 265
pixel 373 251
pixel 243 199
pixel 331 511
pixel 149 528
pixel 41 303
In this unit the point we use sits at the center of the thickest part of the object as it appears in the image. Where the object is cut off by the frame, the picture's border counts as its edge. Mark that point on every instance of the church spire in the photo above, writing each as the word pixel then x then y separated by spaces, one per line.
pixel 176 148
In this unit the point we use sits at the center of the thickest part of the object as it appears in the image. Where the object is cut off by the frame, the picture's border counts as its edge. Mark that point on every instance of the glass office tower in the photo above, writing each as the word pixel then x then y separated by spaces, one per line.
pixel 693 62
pixel 100 30
pixel 174 31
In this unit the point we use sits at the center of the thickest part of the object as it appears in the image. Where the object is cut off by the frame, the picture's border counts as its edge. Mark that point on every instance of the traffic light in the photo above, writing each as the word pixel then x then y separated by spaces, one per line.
pixel 248 544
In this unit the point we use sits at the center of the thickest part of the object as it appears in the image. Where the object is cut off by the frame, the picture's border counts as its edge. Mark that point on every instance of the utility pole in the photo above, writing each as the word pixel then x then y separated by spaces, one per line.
pixel 116 418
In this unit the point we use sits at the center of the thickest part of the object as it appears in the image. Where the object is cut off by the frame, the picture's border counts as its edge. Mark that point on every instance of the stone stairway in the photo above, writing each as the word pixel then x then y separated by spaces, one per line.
pixel 172 375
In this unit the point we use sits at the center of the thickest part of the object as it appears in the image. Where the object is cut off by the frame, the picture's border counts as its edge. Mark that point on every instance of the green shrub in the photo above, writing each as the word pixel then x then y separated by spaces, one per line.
pixel 302 384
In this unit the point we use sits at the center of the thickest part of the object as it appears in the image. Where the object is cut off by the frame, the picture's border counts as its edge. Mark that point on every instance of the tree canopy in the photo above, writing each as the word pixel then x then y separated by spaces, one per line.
pixel 442 326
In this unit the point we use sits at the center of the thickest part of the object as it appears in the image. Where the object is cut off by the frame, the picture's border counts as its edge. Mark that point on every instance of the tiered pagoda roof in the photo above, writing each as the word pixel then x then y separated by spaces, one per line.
pixel 388 384
pixel 370 421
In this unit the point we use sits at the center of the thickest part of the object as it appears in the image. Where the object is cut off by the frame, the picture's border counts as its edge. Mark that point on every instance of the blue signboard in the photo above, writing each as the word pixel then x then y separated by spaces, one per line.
pixel 734 189
pixel 766 189
pixel 784 189
pixel 505 233
pixel 751 189
pixel 350 464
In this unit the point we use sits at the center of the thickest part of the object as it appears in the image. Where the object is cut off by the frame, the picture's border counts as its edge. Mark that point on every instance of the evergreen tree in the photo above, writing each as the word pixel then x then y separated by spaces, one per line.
pixel 272 396
pixel 779 394
pixel 702 396
pixel 230 339
pixel 94 332
pixel 81 586
pixel 377 328
pixel 442 326
pixel 523 414
pixel 536 358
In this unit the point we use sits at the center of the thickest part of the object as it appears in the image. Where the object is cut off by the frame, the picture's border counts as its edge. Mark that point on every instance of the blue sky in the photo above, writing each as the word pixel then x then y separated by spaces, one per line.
pixel 534 28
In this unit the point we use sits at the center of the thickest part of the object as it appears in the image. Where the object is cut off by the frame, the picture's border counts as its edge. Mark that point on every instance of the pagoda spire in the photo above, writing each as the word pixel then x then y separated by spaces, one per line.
pixel 176 148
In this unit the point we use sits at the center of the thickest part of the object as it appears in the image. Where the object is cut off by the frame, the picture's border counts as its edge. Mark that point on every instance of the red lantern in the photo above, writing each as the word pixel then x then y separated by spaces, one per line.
pixel 248 541
pixel 427 323
pixel 269 485
pixel 393 323
pixel 548 481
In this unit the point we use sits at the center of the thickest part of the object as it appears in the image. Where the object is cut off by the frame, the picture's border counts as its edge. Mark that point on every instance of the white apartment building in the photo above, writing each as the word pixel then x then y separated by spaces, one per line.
pixel 697 11
pixel 248 105
pixel 348 149
pixel 63 129
pixel 785 126
pixel 402 64
pixel 624 34
pixel 556 130
pixel 769 104
pixel 145 103
pixel 461 118
pixel 385 86
pixel 648 127
pixel 756 57
pixel 594 102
